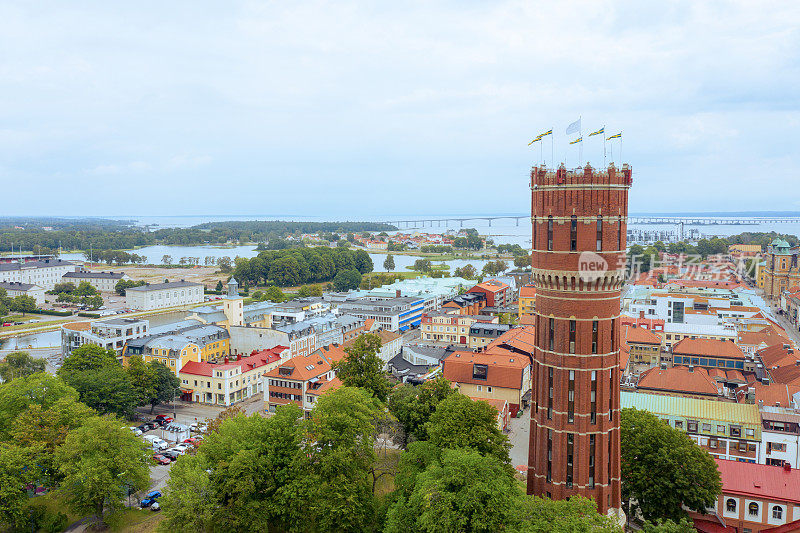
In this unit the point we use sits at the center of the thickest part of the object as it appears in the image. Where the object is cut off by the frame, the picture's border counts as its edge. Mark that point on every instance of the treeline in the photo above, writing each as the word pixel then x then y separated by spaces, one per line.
pixel 114 235
pixel 300 266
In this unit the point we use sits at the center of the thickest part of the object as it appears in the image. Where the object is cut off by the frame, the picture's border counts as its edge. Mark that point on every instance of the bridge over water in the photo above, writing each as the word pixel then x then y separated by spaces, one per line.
pixel 638 220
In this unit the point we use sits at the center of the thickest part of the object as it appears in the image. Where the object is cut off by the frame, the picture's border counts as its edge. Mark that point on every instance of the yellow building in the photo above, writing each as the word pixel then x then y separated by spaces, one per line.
pixel 172 352
pixel 527 300
pixel 781 268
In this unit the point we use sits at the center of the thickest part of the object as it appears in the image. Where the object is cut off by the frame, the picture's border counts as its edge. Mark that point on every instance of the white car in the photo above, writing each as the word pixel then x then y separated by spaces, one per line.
pixel 136 431
pixel 161 444
pixel 182 447
pixel 179 451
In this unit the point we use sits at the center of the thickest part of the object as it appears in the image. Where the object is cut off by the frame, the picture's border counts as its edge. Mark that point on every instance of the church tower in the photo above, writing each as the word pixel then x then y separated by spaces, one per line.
pixel 233 304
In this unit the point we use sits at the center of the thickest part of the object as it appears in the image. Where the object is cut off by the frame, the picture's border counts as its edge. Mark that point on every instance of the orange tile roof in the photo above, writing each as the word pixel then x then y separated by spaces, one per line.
pixel 775 394
pixel 326 386
pixel 500 405
pixel 527 291
pixel 708 348
pixel 778 355
pixel 303 367
pixel 521 339
pixel 636 335
pixel 527 320
pixel 624 355
pixel 767 336
pixel 504 368
pixel 679 379
pixel 491 285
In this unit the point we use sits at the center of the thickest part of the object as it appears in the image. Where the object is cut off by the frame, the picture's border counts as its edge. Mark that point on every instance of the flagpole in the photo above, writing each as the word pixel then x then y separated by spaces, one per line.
pixel 552 150
pixel 604 146
pixel 580 147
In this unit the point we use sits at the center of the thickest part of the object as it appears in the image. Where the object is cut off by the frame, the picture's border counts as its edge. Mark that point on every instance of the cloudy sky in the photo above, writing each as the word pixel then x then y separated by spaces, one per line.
pixel 357 109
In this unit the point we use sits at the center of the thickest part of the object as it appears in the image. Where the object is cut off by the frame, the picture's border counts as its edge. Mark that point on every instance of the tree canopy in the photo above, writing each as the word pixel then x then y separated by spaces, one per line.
pixel 362 367
pixel 19 364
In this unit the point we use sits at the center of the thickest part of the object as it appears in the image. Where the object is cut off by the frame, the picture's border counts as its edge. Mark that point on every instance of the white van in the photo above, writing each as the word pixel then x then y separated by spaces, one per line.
pixel 151 438
pixel 160 444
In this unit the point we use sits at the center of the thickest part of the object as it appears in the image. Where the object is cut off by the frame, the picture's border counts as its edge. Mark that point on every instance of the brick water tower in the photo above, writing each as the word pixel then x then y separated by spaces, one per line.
pixel 579 234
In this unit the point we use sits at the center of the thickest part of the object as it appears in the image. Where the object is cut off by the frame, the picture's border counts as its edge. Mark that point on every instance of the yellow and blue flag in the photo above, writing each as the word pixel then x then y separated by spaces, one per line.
pixel 617 136
pixel 538 138
pixel 576 141
pixel 598 132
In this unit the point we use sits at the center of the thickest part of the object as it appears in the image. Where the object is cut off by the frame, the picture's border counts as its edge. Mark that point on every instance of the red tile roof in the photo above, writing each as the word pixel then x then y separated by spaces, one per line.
pixel 679 379
pixel 491 285
pixel 520 339
pixel 759 481
pixel 527 291
pixel 504 368
pixel 775 394
pixel 708 348
pixel 256 360
pixel 637 335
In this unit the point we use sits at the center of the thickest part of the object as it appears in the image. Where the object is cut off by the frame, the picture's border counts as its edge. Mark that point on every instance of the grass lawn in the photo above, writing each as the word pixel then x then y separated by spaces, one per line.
pixel 37 324
pixel 387 461
pixel 126 520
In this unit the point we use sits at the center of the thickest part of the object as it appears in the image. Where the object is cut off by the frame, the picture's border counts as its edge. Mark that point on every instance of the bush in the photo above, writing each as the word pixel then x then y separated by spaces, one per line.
pixel 40 518
pixel 89 315
pixel 53 312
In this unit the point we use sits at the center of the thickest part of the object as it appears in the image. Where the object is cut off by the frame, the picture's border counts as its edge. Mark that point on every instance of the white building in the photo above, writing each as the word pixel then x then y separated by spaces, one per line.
pixel 780 436
pixel 102 281
pixel 15 288
pixel 112 333
pixel 44 273
pixel 163 295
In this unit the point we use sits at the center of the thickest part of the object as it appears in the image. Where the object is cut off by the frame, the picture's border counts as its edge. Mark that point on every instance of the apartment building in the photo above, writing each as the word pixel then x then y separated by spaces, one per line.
pixel 392 314
pixel 45 273
pixel 230 382
pixel 111 333
pixel 16 288
pixel 497 293
pixel 442 326
pixel 527 300
pixel 644 345
pixel 162 295
pixel 301 379
pixel 711 353
pixel 780 435
pixel 102 281
pixel 481 334
pixel 391 345
pixel 726 430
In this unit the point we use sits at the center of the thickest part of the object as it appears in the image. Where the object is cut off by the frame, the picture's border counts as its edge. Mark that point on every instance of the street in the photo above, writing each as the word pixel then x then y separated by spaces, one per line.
pixel 518 437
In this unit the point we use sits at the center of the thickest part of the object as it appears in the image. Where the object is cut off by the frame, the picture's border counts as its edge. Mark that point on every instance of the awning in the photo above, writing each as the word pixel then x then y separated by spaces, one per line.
pixel 186 391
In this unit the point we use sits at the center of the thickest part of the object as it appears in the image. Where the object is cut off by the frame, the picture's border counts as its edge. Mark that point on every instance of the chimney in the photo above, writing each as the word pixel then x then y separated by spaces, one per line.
pixel 226 359
pixel 397 293
pixel 787 467
pixel 641 314
pixel 691 367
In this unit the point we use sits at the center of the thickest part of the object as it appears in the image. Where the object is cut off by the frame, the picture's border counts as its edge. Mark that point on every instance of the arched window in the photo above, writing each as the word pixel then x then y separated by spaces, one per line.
pixel 730 505
pixel 777 512
pixel 752 509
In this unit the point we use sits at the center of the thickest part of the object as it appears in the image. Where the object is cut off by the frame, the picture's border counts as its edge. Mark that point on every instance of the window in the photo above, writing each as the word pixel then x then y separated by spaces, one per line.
pixel 571 398
pixel 599 233
pixel 730 505
pixel 749 432
pixel 552 333
pixel 591 460
pixel 706 427
pixel 619 233
pixel 550 394
pixel 479 371
pixel 593 398
pixel 534 233
pixel 594 336
pixel 678 424
pixel 752 509
pixel 573 233
pixel 692 426
pixel 571 336
pixel 735 431
pixel 549 455
pixel 488 389
pixel 550 232
pixel 570 451
pixel 777 512
pixel 720 429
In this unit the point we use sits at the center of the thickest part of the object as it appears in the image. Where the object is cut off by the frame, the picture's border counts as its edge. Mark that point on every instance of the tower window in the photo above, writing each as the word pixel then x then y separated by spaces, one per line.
pixel 619 233
pixel 534 233
pixel 593 398
pixel 571 336
pixel 571 398
pixel 550 232
pixel 595 325
pixel 550 394
pixel 573 233
pixel 591 460
pixel 551 334
pixel 549 455
pixel 570 462
pixel 599 233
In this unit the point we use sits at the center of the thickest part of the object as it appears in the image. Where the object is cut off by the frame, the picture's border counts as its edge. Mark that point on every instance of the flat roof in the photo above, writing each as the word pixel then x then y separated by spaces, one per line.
pixel 161 286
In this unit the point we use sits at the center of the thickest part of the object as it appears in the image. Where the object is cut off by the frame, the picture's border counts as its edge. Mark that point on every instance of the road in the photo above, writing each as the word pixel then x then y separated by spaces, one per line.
pixel 519 437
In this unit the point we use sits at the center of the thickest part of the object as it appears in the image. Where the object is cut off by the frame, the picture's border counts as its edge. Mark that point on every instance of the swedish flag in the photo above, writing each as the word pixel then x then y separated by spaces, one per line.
pixel 545 134
pixel 576 141
pixel 617 136
pixel 598 132
pixel 538 138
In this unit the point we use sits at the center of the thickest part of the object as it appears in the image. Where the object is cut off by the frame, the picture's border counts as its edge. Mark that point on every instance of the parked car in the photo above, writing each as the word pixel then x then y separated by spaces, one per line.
pixel 192 440
pixel 151 438
pixel 165 418
pixel 150 498
pixel 136 431
pixel 160 459
pixel 181 447
pixel 172 454
pixel 161 443
pixel 144 427
pixel 181 451
pixel 155 507
pixel 6 324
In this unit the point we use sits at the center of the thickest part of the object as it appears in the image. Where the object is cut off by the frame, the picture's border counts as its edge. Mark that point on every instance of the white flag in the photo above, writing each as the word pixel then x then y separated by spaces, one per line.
pixel 575 126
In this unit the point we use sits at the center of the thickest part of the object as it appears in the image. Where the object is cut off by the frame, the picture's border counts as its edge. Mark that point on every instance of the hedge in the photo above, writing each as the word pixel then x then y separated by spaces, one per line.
pixel 53 312
pixel 89 315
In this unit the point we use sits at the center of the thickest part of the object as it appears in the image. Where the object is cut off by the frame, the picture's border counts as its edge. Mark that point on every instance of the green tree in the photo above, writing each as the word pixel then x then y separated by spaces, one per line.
pixel 218 286
pixel 347 280
pixel 467 272
pixel 663 469
pixel 166 385
pixel 274 294
pixel 23 304
pixel 88 357
pixel 422 265
pixel 86 289
pixel 464 491
pixel 460 422
pixel 17 468
pixel 341 448
pixel 668 526
pixel 18 364
pixel 250 474
pixel 541 515
pixel 3 309
pixel 142 379
pixel 413 406
pixel 124 284
pixel 388 263
pixel 522 261
pixel 18 395
pixel 92 302
pixel 362 367
pixel 67 287
pixel 102 462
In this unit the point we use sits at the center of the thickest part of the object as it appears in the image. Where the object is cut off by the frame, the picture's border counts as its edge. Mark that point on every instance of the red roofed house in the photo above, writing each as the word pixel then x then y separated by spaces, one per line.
pixel 679 380
pixel 756 498
pixel 645 346
pixel 710 353
pixel 502 411
pixel 497 293
pixel 301 379
pixel 230 382
pixel 502 371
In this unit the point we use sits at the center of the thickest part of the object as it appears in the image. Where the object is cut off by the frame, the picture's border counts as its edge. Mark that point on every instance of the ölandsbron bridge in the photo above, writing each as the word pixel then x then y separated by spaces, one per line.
pixel 639 220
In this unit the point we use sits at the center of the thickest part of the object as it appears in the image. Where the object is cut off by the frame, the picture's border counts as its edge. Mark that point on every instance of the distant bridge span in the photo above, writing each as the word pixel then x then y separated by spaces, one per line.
pixel 679 221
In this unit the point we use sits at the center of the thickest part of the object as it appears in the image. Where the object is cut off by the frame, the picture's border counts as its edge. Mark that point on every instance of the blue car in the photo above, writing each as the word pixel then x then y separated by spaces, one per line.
pixel 151 498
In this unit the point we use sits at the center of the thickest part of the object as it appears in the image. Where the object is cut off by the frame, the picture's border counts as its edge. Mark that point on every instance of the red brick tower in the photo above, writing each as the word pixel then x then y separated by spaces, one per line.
pixel 579 234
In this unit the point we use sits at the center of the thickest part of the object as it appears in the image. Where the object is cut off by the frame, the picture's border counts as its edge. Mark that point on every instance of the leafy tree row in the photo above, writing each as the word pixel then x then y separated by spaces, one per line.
pixel 299 266
pixel 18 304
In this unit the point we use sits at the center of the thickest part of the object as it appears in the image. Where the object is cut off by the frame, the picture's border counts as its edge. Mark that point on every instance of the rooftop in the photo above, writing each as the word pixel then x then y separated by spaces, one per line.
pixel 167 285
pixel 759 481
pixel 679 379
pixel 708 348
pixel 94 275
pixel 695 408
